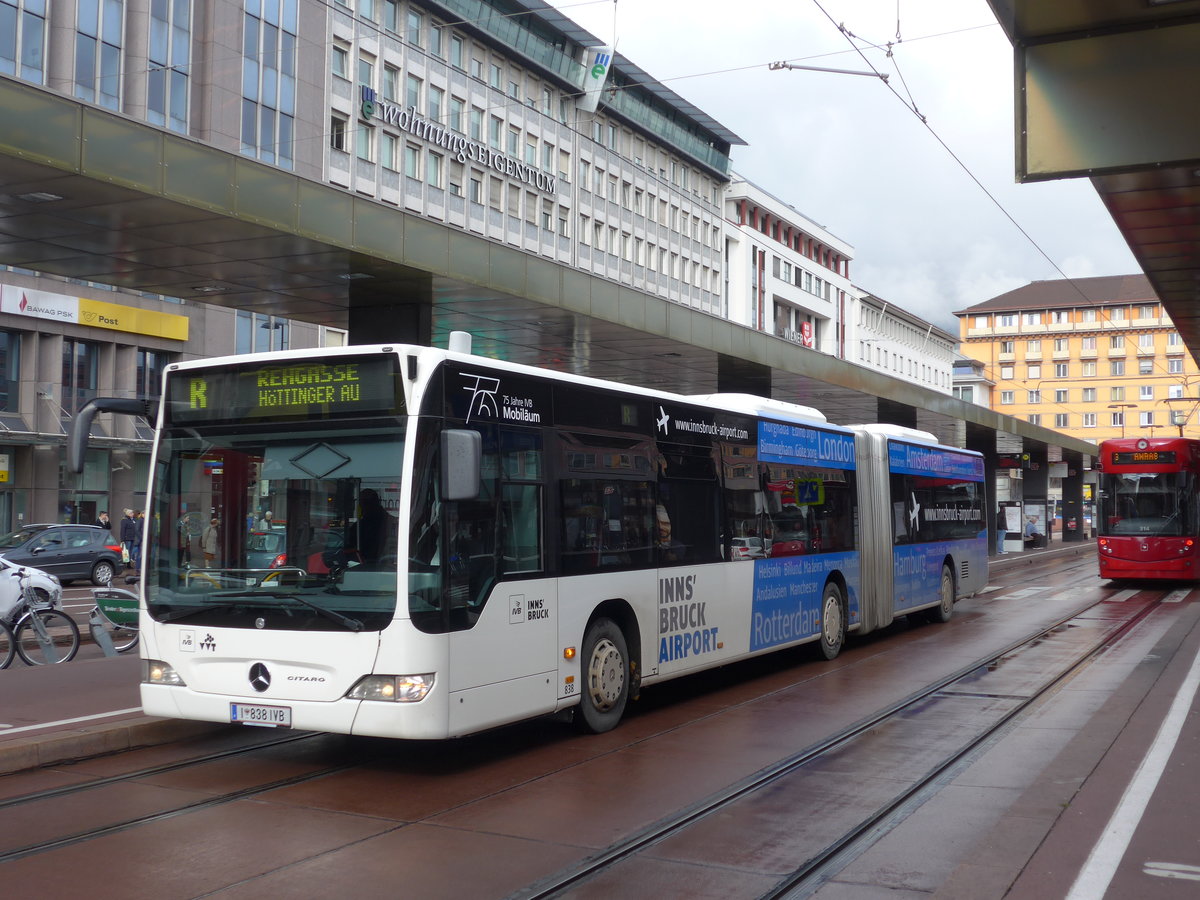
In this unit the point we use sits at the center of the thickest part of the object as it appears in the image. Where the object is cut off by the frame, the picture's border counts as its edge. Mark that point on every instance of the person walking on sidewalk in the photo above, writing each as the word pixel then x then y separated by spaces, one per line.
pixel 129 537
pixel 1001 530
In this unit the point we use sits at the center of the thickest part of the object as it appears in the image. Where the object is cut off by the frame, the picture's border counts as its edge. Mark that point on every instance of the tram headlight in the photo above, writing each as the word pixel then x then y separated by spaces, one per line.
pixel 393 688
pixel 155 671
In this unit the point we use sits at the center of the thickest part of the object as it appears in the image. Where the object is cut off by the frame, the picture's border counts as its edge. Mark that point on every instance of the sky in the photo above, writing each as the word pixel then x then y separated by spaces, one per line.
pixel 848 152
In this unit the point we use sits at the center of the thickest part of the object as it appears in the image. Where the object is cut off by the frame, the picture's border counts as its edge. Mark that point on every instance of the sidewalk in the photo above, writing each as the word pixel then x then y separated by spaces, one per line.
pixel 89 707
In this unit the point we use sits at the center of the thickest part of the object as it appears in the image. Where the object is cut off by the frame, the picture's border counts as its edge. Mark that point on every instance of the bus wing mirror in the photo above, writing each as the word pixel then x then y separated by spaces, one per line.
pixel 81 425
pixel 462 457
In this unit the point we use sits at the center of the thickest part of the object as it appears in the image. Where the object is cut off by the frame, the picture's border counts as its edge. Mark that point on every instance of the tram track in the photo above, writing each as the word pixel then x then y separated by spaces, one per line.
pixel 828 859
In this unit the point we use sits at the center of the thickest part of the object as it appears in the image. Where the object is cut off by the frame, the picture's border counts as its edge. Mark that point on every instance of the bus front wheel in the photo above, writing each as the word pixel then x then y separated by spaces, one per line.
pixel 833 621
pixel 605 670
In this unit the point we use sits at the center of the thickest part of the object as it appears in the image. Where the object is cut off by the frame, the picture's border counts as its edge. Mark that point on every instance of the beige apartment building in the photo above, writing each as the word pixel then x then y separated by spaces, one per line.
pixel 1095 358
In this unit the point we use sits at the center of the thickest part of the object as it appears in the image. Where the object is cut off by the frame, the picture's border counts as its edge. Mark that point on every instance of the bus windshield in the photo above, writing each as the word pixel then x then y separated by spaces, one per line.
pixel 289 527
pixel 1148 504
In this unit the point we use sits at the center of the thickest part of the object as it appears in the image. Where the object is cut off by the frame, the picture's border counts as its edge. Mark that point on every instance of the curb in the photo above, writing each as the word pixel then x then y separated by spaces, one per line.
pixel 73 745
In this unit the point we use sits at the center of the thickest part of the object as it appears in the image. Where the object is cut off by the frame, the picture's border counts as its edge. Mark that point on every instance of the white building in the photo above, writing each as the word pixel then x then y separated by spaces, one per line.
pixel 786 274
pixel 888 339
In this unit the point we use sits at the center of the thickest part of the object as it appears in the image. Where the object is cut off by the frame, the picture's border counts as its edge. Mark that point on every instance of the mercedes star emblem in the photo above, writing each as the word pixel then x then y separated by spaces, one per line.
pixel 260 678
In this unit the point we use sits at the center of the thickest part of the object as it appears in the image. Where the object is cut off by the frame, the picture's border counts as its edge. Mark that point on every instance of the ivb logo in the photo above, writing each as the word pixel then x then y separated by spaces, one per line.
pixel 600 63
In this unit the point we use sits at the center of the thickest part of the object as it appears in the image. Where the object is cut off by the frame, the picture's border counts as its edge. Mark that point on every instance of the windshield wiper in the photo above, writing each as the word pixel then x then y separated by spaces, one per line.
pixel 176 615
pixel 347 622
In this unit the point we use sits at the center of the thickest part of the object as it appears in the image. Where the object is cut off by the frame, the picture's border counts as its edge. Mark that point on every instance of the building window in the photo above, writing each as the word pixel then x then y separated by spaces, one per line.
pixel 1116 394
pixel 412 91
pixel 1007 320
pixel 456 51
pixel 1061 420
pixel 337 133
pixel 391 83
pixel 1034 419
pixel 437 37
pixel 1035 397
pixel 433 169
pixel 387 150
pixel 364 143
pixel 457 107
pixel 1146 341
pixel 1089 420
pixel 259 333
pixel 1175 365
pixel 1117 420
pixel 412 161
pixel 1005 346
pixel 1088 343
pixel 1034 372
pixel 1146 392
pixel 99 30
pixel 415 23
pixel 79 365
pixel 1008 373
pixel 1116 342
pixel 10 371
pixel 168 65
pixel 436 97
pixel 269 82
pixel 339 59
pixel 1175 392
pixel 22 48
pixel 1033 318
pixel 150 367
pixel 1061 370
pixel 1145 419
pixel 366 71
pixel 1089 369
pixel 1007 397
pixel 1146 366
pixel 1060 396
pixel 1116 367
pixel 1089 395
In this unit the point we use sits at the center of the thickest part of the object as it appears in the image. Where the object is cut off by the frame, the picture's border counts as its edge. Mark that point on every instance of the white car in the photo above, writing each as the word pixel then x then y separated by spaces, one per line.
pixel 747 548
pixel 44 584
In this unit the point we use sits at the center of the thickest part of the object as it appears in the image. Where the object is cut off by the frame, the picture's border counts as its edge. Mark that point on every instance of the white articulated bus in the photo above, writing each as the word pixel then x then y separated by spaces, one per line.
pixel 455 542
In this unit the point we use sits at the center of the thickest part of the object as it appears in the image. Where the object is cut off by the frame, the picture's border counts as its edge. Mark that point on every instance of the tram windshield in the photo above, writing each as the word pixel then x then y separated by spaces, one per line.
pixel 281 527
pixel 1149 504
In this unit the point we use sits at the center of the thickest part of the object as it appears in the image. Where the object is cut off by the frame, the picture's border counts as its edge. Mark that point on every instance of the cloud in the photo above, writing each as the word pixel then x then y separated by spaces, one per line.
pixel 846 152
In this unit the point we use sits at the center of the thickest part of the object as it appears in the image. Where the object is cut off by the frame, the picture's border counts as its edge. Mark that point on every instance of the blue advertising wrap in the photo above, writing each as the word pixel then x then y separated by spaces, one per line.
pixel 787 596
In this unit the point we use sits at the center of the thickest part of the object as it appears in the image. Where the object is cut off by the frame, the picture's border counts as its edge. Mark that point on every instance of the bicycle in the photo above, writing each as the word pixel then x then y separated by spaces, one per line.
pixel 117 608
pixel 42 635
pixel 7 645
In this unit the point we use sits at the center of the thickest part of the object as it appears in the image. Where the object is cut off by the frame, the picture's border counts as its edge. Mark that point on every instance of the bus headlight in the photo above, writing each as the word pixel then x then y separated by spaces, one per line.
pixel 394 688
pixel 155 671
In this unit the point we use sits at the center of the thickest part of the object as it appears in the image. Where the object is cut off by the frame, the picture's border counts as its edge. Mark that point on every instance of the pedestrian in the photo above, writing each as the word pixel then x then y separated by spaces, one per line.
pixel 1001 530
pixel 210 541
pixel 139 519
pixel 103 521
pixel 129 537
pixel 267 521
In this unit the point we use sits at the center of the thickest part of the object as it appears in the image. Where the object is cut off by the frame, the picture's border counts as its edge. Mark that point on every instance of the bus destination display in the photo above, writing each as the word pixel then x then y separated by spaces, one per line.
pixel 1153 457
pixel 313 390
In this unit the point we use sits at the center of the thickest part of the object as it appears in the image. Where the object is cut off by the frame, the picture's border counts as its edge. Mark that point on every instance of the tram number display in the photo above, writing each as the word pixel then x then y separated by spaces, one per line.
pixel 1152 457
pixel 255 714
pixel 284 390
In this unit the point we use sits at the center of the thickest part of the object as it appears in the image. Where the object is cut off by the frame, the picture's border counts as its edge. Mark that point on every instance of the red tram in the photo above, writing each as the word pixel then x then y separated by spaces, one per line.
pixel 1148 514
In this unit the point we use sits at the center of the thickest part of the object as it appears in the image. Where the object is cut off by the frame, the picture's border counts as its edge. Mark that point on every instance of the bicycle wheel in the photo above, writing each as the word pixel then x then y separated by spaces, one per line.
pixel 7 645
pixel 47 636
pixel 123 638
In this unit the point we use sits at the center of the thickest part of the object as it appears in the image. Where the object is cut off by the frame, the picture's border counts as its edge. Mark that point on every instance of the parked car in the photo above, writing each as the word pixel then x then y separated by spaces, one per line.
pixel 68 552
pixel 266 549
pixel 45 585
pixel 747 548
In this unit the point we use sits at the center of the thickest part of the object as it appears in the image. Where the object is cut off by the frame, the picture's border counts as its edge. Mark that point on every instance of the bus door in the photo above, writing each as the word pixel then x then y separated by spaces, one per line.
pixel 503 610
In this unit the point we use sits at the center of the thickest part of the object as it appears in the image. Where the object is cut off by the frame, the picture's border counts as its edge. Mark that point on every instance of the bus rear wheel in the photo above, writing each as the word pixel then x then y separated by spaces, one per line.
pixel 833 621
pixel 605 669
pixel 945 608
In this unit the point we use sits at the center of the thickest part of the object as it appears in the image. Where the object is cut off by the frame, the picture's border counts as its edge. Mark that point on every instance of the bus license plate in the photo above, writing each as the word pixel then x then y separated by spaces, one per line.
pixel 253 714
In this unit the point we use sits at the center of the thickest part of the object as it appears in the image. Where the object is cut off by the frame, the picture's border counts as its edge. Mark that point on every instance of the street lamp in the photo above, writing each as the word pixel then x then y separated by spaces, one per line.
pixel 1122 406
